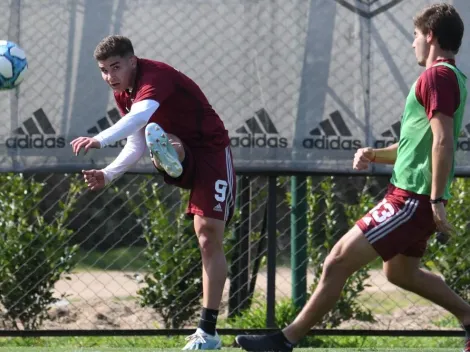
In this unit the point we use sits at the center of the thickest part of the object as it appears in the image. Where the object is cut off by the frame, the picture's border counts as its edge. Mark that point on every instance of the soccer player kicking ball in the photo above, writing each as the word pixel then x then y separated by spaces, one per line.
pixel 398 228
pixel 167 112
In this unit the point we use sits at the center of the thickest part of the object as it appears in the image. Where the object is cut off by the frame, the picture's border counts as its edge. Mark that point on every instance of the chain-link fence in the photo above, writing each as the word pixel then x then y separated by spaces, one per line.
pixel 299 85
pixel 126 258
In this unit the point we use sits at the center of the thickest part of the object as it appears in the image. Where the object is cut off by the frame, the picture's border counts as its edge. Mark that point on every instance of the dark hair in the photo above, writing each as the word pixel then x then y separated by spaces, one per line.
pixel 444 22
pixel 113 45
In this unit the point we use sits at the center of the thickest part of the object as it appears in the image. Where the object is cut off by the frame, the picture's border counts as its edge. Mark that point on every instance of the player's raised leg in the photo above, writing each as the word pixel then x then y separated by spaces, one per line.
pixel 166 150
pixel 350 253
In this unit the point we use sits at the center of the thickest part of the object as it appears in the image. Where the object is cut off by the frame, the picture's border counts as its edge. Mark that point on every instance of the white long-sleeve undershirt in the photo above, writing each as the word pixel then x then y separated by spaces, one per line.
pixel 128 157
pixel 137 118
pixel 132 127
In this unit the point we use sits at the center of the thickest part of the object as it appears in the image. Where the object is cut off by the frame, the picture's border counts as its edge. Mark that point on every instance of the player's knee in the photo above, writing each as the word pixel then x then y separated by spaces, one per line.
pixel 178 145
pixel 400 278
pixel 209 240
pixel 180 151
pixel 336 264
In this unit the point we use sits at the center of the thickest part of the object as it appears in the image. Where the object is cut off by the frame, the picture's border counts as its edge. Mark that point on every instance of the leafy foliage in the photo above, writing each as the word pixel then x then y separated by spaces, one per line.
pixel 34 254
pixel 255 317
pixel 173 284
pixel 451 259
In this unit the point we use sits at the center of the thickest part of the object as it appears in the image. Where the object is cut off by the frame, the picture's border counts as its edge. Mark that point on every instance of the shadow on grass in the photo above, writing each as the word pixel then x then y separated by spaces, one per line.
pixel 122 259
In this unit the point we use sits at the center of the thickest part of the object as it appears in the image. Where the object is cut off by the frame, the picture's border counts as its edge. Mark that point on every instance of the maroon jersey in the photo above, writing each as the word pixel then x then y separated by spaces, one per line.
pixel 437 89
pixel 184 109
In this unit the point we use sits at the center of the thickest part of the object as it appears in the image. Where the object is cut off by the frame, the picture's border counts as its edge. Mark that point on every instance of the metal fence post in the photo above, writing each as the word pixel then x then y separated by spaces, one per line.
pixel 299 239
pixel 244 238
pixel 271 283
pixel 239 267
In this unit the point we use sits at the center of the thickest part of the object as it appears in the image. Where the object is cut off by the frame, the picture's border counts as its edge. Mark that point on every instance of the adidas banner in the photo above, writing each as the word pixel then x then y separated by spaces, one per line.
pixel 300 85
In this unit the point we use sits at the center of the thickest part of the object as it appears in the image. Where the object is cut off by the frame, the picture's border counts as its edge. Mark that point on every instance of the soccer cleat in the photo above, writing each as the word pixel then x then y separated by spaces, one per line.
pixel 266 343
pixel 162 151
pixel 200 340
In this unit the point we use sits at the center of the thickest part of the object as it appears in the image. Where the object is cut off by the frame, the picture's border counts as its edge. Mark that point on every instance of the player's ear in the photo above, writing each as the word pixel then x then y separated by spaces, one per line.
pixel 429 37
pixel 133 59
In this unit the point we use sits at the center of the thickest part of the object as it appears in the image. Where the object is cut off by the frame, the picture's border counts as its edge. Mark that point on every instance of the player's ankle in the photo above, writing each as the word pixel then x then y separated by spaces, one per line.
pixel 292 334
pixel 466 327
pixel 208 321
pixel 281 339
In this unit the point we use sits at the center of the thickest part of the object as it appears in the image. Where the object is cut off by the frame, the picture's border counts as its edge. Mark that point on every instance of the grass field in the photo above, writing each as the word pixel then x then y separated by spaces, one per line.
pixel 380 302
pixel 31 349
pixel 175 343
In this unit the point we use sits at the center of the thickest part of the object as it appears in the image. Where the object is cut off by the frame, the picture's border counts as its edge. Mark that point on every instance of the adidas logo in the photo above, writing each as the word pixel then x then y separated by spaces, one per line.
pixel 218 208
pixel 259 132
pixel 36 132
pixel 332 133
pixel 106 122
pixel 464 139
pixel 390 136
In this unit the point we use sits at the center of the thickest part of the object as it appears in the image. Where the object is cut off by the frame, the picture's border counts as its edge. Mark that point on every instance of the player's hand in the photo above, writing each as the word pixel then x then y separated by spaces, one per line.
pixel 84 142
pixel 440 219
pixel 362 158
pixel 94 179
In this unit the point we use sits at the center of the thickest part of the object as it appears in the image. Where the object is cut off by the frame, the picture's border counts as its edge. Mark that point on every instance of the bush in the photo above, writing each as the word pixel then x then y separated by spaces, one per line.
pixel 174 281
pixel 450 259
pixel 33 253
pixel 255 317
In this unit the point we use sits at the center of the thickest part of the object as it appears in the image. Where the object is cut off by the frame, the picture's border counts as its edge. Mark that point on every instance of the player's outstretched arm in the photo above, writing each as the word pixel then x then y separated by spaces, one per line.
pixel 137 118
pixel 129 156
pixel 385 155
pixel 365 156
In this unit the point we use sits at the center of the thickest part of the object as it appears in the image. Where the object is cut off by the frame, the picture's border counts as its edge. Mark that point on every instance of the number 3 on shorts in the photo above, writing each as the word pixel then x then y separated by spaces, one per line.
pixel 220 190
pixel 382 211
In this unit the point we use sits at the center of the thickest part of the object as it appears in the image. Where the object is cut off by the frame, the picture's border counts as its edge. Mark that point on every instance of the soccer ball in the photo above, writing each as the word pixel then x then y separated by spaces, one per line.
pixel 13 65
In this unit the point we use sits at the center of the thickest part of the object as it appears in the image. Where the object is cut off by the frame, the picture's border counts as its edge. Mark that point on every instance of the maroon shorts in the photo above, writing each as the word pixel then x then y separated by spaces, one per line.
pixel 401 223
pixel 211 178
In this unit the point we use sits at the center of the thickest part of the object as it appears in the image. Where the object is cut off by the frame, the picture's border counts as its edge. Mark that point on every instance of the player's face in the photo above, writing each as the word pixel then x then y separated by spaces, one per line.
pixel 118 72
pixel 421 46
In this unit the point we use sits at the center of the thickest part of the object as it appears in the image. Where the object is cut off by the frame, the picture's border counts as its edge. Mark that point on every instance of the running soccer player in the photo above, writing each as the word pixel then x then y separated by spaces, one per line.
pixel 398 228
pixel 165 111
